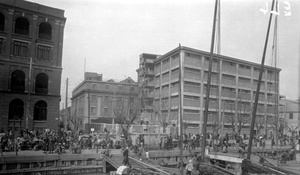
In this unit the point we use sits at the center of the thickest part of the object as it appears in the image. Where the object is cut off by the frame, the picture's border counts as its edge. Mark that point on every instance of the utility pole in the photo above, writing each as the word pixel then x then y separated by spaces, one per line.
pixel 29 95
pixel 180 107
pixel 66 103
pixel 88 127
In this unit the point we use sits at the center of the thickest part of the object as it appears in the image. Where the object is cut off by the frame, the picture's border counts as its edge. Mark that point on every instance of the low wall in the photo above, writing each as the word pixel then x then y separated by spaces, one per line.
pixel 52 164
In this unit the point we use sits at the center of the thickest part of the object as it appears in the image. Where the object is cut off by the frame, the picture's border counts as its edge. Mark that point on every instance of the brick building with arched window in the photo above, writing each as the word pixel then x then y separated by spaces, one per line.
pixel 31 35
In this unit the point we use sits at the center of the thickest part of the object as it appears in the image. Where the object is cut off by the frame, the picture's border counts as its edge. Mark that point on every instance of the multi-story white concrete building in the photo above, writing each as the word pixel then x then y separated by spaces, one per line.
pixel 233 86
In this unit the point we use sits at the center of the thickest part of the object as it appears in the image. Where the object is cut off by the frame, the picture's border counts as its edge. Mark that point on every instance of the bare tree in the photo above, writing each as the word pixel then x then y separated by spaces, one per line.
pixel 240 117
pixel 76 121
pixel 230 118
pixel 126 112
pixel 161 113
pixel 259 124
pixel 292 130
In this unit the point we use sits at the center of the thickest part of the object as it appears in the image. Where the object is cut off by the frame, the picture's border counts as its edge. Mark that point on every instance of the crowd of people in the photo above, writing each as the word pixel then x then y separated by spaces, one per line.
pixel 58 141
pixel 55 141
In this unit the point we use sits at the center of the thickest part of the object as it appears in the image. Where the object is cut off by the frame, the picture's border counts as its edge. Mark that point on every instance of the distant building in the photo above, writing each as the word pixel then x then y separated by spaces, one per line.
pixel 30 31
pixel 289 116
pixel 233 86
pixel 94 98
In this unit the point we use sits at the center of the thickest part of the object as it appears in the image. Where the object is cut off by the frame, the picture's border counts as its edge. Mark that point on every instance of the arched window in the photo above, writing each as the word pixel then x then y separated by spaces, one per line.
pixel 17 82
pixel 2 22
pixel 45 31
pixel 41 83
pixel 22 26
pixel 40 110
pixel 16 109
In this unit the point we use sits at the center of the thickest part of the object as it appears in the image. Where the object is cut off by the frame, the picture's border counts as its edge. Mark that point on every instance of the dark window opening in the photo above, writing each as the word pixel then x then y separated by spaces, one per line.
pixel 17 81
pixel 43 52
pixel 40 110
pixel 22 26
pixel 41 83
pixel 2 22
pixel 45 31
pixel 16 109
pixel 20 49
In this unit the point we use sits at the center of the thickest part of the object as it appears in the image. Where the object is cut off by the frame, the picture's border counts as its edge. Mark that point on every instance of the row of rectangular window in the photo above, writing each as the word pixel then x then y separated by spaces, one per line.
pixel 21 49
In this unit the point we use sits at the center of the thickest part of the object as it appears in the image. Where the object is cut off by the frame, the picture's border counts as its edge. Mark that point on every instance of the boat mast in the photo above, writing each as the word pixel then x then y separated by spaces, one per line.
pixel 208 82
pixel 275 55
pixel 258 85
pixel 180 107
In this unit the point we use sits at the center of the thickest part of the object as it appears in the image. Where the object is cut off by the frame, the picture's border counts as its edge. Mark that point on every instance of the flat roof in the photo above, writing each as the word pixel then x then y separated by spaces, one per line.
pixel 217 56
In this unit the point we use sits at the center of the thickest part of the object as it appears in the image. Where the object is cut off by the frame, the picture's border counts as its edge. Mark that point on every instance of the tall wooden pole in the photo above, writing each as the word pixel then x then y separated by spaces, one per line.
pixel 258 86
pixel 89 113
pixel 208 82
pixel 180 107
pixel 66 103
pixel 29 95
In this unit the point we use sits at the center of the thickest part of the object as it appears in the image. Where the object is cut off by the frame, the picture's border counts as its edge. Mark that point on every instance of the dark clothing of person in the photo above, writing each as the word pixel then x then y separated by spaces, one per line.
pixel 125 155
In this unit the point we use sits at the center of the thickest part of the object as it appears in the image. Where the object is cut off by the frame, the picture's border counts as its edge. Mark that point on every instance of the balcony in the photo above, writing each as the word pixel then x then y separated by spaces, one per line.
pixel 191 116
pixel 149 61
pixel 192 61
pixel 149 84
pixel 228 68
pixel 229 94
pixel 149 73
pixel 245 96
pixel 175 62
pixel 21 31
pixel 244 72
pixel 17 88
pixel 39 90
pixel 174 102
pixel 192 89
pixel 174 89
pixel 192 76
pixel 212 92
pixel 165 92
pixel 45 36
pixel 165 79
pixel 165 66
pixel 261 98
pixel 191 103
pixel 175 75
pixel 228 81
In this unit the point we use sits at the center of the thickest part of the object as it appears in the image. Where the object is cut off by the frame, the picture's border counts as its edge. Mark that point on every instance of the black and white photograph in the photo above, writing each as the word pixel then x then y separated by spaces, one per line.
pixel 149 87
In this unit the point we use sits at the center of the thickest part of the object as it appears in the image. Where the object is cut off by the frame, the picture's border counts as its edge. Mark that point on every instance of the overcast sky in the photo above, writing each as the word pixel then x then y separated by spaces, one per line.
pixel 111 34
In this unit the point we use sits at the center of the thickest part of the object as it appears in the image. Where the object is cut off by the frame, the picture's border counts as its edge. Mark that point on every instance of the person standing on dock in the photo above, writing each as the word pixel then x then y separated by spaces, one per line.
pixel 125 156
pixel 189 167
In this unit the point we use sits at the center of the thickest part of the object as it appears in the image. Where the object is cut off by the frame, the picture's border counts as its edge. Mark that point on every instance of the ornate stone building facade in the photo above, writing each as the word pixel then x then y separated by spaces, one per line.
pixel 31 43
pixel 95 99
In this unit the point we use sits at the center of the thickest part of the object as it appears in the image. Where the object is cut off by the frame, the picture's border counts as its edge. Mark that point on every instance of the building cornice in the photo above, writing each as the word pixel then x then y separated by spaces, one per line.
pixel 33 65
pixel 108 92
pixel 103 82
pixel 34 9
pixel 26 94
pixel 216 56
